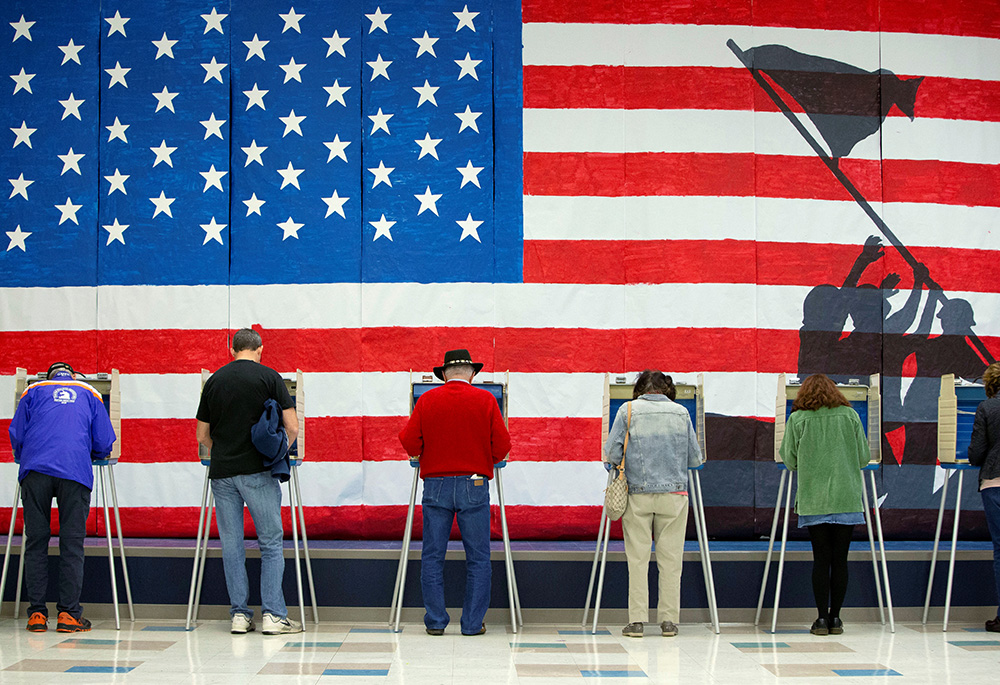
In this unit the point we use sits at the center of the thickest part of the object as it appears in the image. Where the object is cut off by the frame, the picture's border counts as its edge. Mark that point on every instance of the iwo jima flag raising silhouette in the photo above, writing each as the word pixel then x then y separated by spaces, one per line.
pixel 846 104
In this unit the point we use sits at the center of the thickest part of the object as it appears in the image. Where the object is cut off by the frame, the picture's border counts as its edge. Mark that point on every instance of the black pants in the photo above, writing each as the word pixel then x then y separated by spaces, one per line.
pixel 73 500
pixel 830 544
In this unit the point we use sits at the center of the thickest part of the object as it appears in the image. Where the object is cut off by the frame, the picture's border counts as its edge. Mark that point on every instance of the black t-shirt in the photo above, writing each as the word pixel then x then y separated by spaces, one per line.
pixel 231 403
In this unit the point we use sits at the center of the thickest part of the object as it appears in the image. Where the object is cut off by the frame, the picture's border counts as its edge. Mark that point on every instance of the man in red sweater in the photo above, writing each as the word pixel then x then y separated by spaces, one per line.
pixel 458 432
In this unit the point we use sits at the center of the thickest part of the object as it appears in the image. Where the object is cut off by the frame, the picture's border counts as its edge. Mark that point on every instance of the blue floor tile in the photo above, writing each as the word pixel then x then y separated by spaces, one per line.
pixel 760 645
pixel 608 673
pixel 583 632
pixel 99 669
pixel 357 671
pixel 854 672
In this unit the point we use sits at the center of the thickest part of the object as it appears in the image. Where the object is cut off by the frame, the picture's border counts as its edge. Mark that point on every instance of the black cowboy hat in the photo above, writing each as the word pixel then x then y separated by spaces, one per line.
pixel 452 357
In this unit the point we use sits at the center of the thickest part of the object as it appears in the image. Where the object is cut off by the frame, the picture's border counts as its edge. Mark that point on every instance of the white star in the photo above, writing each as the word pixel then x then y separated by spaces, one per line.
pixel 256 97
pixel 117 24
pixel 256 47
pixel 336 44
pixel 214 21
pixel 378 20
pixel 468 66
pixel 117 182
pixel 426 45
pixel 253 153
pixel 468 119
pixel 426 93
pixel 380 67
pixel 71 160
pixel 213 178
pixel 23 134
pixel 465 18
pixel 17 236
pixel 336 93
pixel 335 203
pixel 292 70
pixel 20 187
pixel 337 148
pixel 382 174
pixel 21 28
pixel 290 176
pixel 71 107
pixel 71 52
pixel 213 70
pixel 164 46
pixel 292 123
pixel 163 153
pixel 213 127
pixel 213 231
pixel 428 146
pixel 380 121
pixel 162 204
pixel 289 229
pixel 291 20
pixel 469 228
pixel 116 231
pixel 165 99
pixel 428 201
pixel 68 211
pixel 22 81
pixel 117 130
pixel 253 205
pixel 470 174
pixel 118 75
pixel 382 228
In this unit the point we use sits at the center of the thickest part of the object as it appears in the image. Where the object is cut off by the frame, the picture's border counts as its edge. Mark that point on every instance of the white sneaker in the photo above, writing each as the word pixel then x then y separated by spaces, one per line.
pixel 241 624
pixel 273 625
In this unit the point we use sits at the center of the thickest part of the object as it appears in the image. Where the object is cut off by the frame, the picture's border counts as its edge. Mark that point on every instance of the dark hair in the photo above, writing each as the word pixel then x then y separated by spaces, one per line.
pixel 991 379
pixel 819 391
pixel 653 382
pixel 246 339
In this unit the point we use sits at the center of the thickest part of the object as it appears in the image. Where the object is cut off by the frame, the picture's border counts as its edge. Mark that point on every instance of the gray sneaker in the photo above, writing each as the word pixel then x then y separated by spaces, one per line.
pixel 274 625
pixel 241 624
pixel 668 629
pixel 632 630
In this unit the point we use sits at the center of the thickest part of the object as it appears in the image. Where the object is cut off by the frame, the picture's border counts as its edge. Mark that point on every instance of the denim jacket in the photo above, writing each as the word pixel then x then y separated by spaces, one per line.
pixel 662 445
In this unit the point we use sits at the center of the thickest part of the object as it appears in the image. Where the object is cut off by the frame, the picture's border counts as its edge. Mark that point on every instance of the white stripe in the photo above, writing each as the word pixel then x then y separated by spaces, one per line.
pixel 8 389
pixel 48 309
pixel 681 45
pixel 763 133
pixel 333 305
pixel 159 396
pixel 150 307
pixel 414 304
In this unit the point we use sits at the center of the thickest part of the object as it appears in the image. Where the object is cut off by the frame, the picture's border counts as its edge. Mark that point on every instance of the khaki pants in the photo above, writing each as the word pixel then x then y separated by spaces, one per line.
pixel 661 517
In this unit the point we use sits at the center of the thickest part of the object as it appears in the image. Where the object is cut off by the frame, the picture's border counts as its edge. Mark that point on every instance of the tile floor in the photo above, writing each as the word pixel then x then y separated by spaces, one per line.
pixel 163 652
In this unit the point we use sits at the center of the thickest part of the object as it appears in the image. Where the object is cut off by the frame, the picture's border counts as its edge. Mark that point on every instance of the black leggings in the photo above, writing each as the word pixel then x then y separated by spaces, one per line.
pixel 830 544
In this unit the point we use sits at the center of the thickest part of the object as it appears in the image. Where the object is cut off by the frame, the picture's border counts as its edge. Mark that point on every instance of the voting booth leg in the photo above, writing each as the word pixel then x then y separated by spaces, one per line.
pixel 937 541
pixel 111 551
pixel 121 542
pixel 396 607
pixel 204 553
pixel 706 560
pixel 197 551
pixel 781 556
pixel 597 554
pixel 954 547
pixel 10 538
pixel 871 547
pixel 512 594
pixel 295 544
pixel 305 544
pixel 881 547
pixel 600 580
pixel 770 544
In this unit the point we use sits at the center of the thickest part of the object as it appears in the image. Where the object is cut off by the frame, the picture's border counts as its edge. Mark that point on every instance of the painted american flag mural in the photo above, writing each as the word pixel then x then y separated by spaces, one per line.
pixel 372 183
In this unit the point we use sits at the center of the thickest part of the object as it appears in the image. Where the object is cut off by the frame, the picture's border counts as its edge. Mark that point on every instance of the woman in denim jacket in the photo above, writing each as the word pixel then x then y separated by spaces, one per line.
pixel 662 447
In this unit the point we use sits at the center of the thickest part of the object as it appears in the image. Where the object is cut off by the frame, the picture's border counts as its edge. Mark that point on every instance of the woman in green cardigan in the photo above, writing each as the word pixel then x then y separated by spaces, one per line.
pixel 825 442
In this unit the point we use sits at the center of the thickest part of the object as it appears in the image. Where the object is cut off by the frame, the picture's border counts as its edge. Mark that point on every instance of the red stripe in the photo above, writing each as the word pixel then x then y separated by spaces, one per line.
pixel 746 175
pixel 950 17
pixel 723 88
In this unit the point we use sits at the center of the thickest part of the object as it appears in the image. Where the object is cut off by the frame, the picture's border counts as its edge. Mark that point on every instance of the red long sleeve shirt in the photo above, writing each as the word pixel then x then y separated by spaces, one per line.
pixel 456 430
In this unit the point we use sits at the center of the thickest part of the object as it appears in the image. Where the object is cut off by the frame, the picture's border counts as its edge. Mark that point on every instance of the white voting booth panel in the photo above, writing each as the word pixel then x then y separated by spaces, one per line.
pixel 866 401
pixel 499 391
pixel 296 388
pixel 110 389
pixel 617 391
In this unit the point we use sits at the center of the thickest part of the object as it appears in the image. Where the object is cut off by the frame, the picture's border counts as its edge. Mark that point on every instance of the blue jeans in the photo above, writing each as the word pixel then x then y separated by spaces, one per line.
pixel 991 505
pixel 443 499
pixel 262 495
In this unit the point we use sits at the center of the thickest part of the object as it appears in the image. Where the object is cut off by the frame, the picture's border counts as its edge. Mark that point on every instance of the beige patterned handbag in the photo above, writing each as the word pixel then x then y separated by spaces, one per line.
pixel 616 496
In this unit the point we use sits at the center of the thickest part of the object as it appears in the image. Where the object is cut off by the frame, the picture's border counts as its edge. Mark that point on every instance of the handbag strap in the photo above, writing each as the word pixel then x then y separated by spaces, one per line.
pixel 628 423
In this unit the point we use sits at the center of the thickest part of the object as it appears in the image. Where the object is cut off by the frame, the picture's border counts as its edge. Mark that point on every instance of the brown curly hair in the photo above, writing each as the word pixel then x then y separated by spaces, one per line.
pixel 991 379
pixel 819 391
pixel 654 382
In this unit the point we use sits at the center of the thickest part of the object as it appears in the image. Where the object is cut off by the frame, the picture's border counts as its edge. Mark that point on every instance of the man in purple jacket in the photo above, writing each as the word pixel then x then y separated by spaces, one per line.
pixel 60 425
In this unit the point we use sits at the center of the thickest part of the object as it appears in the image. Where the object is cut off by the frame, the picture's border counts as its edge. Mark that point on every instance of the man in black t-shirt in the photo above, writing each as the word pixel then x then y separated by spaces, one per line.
pixel 232 401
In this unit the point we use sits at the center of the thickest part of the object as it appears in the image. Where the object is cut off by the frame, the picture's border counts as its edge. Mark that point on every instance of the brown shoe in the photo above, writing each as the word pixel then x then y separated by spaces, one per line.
pixel 38 622
pixel 69 624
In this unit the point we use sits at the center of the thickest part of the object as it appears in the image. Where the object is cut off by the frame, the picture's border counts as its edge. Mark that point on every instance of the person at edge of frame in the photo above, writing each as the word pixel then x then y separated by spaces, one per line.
pixel 984 452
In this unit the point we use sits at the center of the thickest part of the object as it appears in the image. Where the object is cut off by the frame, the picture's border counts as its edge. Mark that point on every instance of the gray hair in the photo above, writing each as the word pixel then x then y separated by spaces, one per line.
pixel 458 370
pixel 246 339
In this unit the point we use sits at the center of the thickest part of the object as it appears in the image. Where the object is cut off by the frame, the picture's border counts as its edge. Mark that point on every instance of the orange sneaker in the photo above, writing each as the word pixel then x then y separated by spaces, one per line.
pixel 38 622
pixel 68 624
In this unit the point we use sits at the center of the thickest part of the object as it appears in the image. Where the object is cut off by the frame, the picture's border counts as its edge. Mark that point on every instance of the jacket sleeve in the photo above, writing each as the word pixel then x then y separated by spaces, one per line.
pixel 18 424
pixel 789 449
pixel 500 436
pixel 615 444
pixel 695 457
pixel 978 445
pixel 864 450
pixel 102 433
pixel 411 437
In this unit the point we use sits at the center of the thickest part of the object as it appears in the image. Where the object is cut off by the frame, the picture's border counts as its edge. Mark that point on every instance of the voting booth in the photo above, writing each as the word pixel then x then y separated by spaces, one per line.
pixel 296 455
pixel 617 391
pixel 866 401
pixel 109 388
pixel 499 391
pixel 957 404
